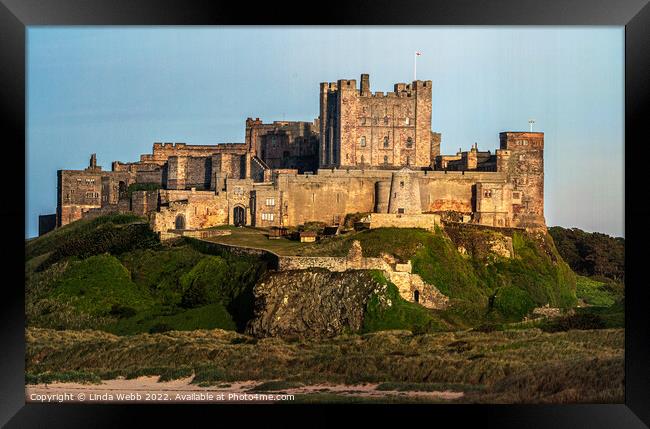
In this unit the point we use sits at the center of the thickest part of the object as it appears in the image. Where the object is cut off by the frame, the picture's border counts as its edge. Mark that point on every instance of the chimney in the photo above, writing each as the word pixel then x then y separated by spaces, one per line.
pixel 365 84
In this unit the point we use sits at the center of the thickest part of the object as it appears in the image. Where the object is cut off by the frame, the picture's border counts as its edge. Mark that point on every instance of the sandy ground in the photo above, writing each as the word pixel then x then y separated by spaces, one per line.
pixel 145 390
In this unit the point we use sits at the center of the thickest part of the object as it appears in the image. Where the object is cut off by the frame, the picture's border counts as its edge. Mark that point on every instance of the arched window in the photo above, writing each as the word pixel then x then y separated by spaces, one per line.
pixel 385 159
pixel 386 141
pixel 409 142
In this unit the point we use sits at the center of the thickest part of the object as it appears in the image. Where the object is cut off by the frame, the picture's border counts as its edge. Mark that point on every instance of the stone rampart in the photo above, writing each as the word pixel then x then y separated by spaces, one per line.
pixel 392 220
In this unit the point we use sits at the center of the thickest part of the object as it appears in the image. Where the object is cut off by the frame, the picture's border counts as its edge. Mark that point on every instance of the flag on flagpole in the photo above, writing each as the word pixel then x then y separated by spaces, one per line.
pixel 415 64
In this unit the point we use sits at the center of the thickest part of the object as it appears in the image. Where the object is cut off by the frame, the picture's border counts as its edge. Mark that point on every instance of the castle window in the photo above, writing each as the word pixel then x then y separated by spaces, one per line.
pixel 270 201
pixel 408 160
pixel 386 141
pixel 363 141
pixel 516 195
pixel 386 120
pixel 374 121
pixel 521 157
pixel 400 210
pixel 401 184
pixel 363 121
pixel 487 193
pixel 268 216
pixel 385 159
pixel 409 142
pixel 407 121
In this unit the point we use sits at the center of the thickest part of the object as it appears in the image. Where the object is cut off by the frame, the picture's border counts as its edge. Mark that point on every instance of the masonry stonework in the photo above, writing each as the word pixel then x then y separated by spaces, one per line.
pixel 367 152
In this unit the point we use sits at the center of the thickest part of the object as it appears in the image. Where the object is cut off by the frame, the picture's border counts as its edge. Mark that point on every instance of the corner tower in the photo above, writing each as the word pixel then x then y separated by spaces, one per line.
pixel 523 162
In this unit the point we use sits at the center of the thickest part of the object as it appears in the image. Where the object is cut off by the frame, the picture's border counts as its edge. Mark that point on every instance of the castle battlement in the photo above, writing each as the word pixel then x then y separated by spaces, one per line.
pixel 367 152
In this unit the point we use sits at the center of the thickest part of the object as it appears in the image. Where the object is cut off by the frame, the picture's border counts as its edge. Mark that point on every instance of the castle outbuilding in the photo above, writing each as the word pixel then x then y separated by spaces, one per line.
pixel 365 153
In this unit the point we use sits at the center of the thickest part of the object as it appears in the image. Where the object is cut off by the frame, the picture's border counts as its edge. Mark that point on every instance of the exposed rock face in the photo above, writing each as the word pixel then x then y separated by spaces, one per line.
pixel 314 303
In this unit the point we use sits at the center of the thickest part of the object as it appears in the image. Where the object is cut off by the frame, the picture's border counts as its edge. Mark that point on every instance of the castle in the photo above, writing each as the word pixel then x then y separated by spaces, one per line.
pixel 367 152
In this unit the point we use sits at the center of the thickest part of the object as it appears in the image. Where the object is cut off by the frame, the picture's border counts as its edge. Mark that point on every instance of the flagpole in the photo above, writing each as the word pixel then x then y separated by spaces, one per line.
pixel 415 66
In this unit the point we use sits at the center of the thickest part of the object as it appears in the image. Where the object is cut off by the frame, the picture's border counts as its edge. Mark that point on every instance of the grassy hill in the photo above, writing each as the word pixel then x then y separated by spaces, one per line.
pixel 111 273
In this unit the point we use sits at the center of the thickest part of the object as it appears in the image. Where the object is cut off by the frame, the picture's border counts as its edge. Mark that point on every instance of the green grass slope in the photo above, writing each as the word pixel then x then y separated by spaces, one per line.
pixel 99 283
pixel 483 287
pixel 111 273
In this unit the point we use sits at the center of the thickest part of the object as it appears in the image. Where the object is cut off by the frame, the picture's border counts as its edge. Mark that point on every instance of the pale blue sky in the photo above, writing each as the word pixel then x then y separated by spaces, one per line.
pixel 116 90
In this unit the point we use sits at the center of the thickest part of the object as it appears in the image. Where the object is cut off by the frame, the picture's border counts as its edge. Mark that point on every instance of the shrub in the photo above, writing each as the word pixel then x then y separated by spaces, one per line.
pixel 159 328
pixel 208 282
pixel 512 302
pixel 106 238
pixel 122 311
pixel 142 187
pixel 576 321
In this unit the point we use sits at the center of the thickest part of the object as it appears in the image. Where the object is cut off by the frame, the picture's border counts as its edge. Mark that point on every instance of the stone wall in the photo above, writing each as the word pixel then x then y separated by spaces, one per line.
pixel 329 195
pixel 197 210
pixel 284 144
pixel 77 192
pixel 410 286
pixel 389 220
pixel 143 202
pixel 162 151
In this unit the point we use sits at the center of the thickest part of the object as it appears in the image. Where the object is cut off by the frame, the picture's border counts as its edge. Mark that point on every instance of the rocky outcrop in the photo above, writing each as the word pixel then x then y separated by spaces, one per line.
pixel 311 303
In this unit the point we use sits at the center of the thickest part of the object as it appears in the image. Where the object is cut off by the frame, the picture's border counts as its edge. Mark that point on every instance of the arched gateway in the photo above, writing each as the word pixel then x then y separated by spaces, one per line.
pixel 180 222
pixel 239 216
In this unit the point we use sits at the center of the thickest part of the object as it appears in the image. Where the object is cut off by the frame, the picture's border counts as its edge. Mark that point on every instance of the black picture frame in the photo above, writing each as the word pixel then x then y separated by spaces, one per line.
pixel 16 15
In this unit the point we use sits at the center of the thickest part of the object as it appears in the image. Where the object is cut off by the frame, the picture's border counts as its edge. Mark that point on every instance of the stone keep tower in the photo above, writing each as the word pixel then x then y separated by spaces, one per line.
pixel 521 157
pixel 360 129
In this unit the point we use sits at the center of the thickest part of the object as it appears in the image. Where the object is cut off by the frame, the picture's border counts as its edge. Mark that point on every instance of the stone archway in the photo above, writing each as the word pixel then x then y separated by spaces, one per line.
pixel 239 216
pixel 180 222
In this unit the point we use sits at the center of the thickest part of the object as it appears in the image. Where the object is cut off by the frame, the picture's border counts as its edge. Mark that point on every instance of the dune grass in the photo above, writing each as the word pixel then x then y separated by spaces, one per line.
pixel 572 366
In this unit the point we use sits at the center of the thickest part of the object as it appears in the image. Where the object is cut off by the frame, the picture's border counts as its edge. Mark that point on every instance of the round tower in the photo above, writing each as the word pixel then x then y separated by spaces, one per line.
pixel 382 196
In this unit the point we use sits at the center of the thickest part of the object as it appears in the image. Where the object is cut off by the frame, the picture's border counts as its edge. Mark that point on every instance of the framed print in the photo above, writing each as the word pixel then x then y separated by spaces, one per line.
pixel 421 208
